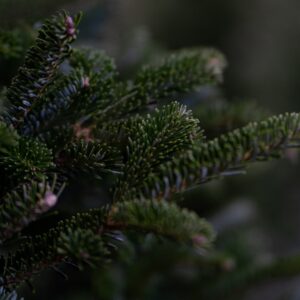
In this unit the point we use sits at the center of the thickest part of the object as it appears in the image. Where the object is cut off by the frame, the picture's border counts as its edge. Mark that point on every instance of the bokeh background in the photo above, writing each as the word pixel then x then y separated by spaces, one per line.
pixel 256 215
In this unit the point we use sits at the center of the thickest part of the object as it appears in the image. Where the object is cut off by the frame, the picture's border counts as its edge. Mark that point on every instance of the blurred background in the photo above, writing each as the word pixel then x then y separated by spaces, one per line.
pixel 257 215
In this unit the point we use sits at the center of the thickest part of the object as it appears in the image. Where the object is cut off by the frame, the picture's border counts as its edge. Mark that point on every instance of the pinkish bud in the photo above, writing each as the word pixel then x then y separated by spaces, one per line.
pixel 85 82
pixel 199 240
pixel 45 203
pixel 71 31
pixel 50 199
pixel 70 26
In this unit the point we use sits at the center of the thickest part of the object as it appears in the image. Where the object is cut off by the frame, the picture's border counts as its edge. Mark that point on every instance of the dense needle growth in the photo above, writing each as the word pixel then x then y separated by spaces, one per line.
pixel 60 124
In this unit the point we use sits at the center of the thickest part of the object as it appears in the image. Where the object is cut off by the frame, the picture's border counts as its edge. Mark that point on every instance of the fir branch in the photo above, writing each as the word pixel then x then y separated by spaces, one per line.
pixel 58 137
pixel 93 61
pixel 52 248
pixel 24 205
pixel 118 132
pixel 13 43
pixel 75 97
pixel 181 72
pixel 26 161
pixel 52 46
pixel 76 237
pixel 83 247
pixel 7 295
pixel 8 138
pixel 155 140
pixel 62 108
pixel 100 75
pixel 162 218
pixel 89 158
pixel 10 43
pixel 3 102
pixel 88 120
pixel 226 155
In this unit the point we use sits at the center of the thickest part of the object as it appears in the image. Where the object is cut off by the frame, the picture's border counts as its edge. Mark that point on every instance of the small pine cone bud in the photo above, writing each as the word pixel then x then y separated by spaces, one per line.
pixel 70 26
pixel 199 240
pixel 85 82
pixel 50 199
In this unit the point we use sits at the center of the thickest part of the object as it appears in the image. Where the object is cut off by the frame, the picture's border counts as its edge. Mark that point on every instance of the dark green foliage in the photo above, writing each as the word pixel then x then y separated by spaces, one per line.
pixel 80 121
pixel 170 76
pixel 78 236
pixel 226 155
pixel 181 72
pixel 76 96
pixel 93 61
pixel 61 108
pixel 89 158
pixel 164 219
pixel 83 247
pixel 8 138
pixel 41 64
pixel 8 295
pixel 14 43
pixel 155 140
pixel 48 250
pixel 24 205
pixel 99 75
pixel 2 98
pixel 28 160
pixel 11 43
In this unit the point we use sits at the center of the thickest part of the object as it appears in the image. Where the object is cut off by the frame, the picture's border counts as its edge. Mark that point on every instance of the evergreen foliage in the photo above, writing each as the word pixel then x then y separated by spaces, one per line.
pixel 7 295
pixel 61 126
pixel 40 66
pixel 11 43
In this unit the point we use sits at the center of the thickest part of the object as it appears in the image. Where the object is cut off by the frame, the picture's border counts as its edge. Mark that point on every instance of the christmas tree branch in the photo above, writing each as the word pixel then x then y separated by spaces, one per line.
pixel 90 158
pixel 223 156
pixel 75 97
pixel 154 140
pixel 26 161
pixel 7 295
pixel 8 138
pixel 77 237
pixel 24 205
pixel 181 72
pixel 52 46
